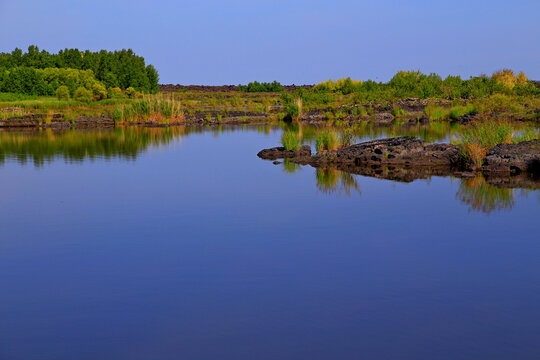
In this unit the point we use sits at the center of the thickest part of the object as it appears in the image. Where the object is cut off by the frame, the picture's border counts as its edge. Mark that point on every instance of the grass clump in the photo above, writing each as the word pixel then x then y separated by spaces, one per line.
pixel 290 140
pixel 326 140
pixel 397 111
pixel 477 139
pixel 436 112
pixel 294 109
pixel 457 111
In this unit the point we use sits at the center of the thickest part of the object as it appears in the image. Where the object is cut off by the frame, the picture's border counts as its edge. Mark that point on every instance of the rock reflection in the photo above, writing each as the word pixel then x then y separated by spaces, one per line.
pixel 331 181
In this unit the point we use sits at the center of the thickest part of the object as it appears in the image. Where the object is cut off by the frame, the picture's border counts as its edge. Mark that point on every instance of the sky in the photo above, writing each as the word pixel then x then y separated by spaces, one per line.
pixel 212 42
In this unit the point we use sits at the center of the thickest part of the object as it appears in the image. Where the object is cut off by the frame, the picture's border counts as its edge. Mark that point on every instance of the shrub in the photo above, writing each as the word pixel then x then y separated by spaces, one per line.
pixel 115 93
pixel 62 93
pixel 343 85
pixel 99 91
pixel 256 86
pixel 131 92
pixel 505 77
pixel 290 140
pixel 521 78
pixel 83 95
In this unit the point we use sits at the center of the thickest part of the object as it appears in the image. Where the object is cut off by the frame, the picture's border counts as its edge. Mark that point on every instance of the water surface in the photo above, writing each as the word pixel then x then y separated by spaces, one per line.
pixel 168 244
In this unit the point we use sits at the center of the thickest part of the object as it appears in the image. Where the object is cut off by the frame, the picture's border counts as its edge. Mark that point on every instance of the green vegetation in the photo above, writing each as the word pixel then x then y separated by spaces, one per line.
pixel 335 181
pixel 481 196
pixel 344 86
pixel 62 93
pixel 478 138
pixel 326 140
pixel 397 111
pixel 114 69
pixel 83 95
pixel 290 140
pixel 156 109
pixel 414 84
pixel 261 87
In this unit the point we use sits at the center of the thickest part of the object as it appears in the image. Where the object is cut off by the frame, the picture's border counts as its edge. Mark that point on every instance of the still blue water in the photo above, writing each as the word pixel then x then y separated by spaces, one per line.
pixel 197 249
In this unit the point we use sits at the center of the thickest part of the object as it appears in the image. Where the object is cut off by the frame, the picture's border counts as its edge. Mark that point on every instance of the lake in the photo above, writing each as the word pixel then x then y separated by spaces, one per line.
pixel 183 244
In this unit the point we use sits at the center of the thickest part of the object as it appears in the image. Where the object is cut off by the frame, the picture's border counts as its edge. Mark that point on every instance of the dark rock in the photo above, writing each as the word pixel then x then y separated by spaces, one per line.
pixel 281 153
pixel 382 118
pixel 513 159
pixel 276 162
pixel 467 118
pixel 402 151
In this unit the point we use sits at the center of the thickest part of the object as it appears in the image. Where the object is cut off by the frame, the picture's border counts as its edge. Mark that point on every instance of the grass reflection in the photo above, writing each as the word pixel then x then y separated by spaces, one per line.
pixel 483 197
pixel 331 181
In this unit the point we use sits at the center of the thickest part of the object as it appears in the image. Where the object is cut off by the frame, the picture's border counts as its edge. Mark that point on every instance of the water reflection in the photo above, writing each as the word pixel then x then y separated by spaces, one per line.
pixel 360 131
pixel 75 146
pixel 483 197
pixel 331 181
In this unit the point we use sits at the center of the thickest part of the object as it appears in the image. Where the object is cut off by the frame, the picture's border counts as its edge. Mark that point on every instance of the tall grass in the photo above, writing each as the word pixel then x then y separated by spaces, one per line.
pixel 477 139
pixel 290 140
pixel 155 109
pixel 326 140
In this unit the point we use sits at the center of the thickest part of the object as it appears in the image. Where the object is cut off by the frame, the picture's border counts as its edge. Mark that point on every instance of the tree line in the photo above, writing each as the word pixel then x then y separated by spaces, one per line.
pixel 38 72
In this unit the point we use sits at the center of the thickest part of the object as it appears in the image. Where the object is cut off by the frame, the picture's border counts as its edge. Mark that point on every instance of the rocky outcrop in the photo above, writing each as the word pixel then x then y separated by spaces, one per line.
pixel 280 153
pixel 513 159
pixel 402 151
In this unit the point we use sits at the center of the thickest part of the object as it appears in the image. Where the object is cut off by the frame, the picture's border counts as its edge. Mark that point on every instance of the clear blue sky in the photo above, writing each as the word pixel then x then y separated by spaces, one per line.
pixel 229 42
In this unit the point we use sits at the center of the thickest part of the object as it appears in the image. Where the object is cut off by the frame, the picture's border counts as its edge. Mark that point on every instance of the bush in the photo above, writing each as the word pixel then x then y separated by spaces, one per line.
pixel 256 86
pixel 83 95
pixel 131 92
pixel 343 85
pixel 290 140
pixel 62 93
pixel 99 92
pixel 505 77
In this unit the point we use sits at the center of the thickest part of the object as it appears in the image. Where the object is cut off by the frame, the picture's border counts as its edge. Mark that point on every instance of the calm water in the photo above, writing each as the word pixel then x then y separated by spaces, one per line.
pixel 165 244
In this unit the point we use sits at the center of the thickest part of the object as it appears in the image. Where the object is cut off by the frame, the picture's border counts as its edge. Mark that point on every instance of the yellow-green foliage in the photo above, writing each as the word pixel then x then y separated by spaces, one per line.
pixel 500 103
pixel 99 91
pixel 344 85
pixel 521 78
pixel 83 95
pixel 507 78
pixel 62 93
